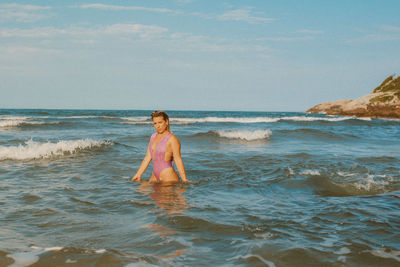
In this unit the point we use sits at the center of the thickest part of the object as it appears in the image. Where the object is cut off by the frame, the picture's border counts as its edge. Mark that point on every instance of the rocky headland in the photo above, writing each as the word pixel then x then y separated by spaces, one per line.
pixel 383 102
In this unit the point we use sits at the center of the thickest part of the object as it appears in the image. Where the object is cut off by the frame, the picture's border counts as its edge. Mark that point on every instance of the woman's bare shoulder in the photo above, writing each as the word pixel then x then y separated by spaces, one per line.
pixel 173 139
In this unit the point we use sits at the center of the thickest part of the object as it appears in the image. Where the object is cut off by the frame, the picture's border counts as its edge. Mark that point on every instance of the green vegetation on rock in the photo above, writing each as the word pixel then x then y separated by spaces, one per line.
pixel 382 98
pixel 389 84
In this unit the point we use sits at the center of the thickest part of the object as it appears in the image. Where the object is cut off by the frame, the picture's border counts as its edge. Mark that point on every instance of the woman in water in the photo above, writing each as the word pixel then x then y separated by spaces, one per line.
pixel 163 148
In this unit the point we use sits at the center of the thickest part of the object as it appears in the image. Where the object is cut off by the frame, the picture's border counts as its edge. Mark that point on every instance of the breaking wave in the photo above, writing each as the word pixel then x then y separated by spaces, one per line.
pixel 147 120
pixel 13 121
pixel 261 119
pixel 136 120
pixel 352 184
pixel 331 119
pixel 246 135
pixel 227 119
pixel 39 150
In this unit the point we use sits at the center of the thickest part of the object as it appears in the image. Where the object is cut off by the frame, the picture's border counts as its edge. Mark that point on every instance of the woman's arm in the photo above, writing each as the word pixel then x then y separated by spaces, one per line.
pixel 143 167
pixel 176 153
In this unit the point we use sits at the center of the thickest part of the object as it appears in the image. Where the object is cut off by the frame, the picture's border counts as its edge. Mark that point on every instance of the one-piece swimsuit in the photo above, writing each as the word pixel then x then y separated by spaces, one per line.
pixel 158 156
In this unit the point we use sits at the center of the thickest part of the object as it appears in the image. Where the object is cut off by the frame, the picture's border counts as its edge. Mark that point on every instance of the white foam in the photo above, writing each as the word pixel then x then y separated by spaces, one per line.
pixel 247 135
pixel 226 119
pixel 388 119
pixel 137 120
pixel 310 172
pixel 80 117
pixel 142 118
pixel 261 119
pixel 343 251
pixel 393 254
pixel 305 118
pixel 37 150
pixel 22 259
pixel 363 183
pixel 373 182
pixel 100 251
pixel 147 120
pixel 12 121
pixel 345 174
pixel 264 235
pixel 6 117
pixel 53 249
pixel 26 258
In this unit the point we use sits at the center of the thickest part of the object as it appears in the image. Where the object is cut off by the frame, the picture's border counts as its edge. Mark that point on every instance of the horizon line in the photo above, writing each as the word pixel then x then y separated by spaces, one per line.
pixel 106 109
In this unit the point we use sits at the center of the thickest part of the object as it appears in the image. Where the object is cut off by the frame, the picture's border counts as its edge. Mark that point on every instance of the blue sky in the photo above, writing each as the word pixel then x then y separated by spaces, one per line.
pixel 194 54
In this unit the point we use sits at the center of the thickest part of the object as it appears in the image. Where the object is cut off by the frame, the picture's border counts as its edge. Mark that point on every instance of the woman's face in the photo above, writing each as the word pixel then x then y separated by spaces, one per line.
pixel 160 124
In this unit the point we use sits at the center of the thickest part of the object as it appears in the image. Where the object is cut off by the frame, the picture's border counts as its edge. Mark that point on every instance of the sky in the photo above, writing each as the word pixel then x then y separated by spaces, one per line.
pixel 194 54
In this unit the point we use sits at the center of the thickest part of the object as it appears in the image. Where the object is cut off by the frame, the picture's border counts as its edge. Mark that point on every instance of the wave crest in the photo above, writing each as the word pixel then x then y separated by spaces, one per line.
pixel 247 135
pixel 331 119
pixel 40 150
pixel 347 184
pixel 12 121
pixel 15 121
pixel 226 119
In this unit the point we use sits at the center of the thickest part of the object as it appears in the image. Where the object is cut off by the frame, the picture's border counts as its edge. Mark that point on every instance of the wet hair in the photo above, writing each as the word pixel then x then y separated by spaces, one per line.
pixel 160 113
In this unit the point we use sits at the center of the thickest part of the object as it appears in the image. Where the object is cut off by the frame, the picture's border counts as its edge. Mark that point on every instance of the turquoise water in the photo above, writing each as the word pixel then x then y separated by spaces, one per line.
pixel 269 189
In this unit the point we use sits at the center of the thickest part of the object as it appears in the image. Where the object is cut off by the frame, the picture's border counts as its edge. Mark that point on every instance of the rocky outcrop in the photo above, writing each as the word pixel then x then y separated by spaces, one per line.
pixel 383 102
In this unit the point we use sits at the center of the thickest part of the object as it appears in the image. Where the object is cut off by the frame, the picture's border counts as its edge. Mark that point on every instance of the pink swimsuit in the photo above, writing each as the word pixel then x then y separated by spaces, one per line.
pixel 159 164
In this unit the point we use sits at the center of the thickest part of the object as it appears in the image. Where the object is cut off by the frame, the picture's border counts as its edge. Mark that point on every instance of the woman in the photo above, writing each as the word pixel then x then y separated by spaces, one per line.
pixel 163 148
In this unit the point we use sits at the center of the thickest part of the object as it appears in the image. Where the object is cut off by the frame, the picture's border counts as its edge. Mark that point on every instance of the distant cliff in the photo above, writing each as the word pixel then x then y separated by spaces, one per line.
pixel 383 102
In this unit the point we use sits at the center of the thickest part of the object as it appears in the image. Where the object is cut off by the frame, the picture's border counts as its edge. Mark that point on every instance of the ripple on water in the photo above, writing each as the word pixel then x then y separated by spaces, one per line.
pixel 377 159
pixel 193 224
pixel 35 212
pixel 82 201
pixel 28 198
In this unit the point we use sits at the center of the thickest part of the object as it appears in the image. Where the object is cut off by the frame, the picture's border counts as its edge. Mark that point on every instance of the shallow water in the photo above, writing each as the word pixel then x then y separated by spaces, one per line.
pixel 269 189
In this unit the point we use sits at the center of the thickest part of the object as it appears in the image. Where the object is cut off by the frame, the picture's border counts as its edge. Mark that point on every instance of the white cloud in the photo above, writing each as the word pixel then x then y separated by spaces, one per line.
pixel 375 38
pixel 306 35
pixel 199 43
pixel 390 28
pixel 307 31
pixel 39 32
pixel 287 38
pixel 244 14
pixel 22 13
pixel 136 8
pixel 143 31
pixel 126 35
pixel 18 50
pixel 381 33
pixel 201 15
pixel 23 7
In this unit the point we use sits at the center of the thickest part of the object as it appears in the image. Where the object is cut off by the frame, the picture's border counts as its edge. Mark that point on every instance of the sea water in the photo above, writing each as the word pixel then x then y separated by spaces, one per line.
pixel 268 189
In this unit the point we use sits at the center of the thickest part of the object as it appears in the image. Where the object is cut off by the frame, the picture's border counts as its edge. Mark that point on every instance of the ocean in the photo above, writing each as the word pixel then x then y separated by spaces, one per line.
pixel 268 189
